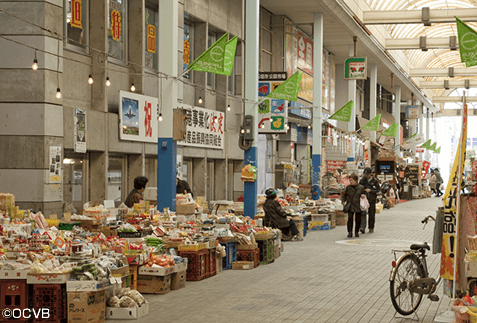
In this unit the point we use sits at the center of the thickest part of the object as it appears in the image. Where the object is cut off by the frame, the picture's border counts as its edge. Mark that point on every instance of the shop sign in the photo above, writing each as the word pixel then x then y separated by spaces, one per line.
pixel 80 130
pixel 272 113
pixel 116 25
pixel 333 165
pixel 425 168
pixel 151 38
pixel 54 172
pixel 304 113
pixel 138 117
pixel 355 68
pixel 76 18
pixel 306 88
pixel 412 112
pixel 348 152
pixel 419 150
pixel 205 128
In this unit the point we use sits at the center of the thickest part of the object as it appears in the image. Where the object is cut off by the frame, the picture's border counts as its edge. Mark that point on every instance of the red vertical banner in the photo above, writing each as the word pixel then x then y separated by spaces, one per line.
pixel 147 119
pixel 116 25
pixel 425 168
pixel 151 39
pixel 76 17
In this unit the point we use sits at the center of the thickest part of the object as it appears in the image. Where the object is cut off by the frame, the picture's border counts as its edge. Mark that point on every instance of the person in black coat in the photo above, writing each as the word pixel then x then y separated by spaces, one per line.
pixel 352 195
pixel 182 187
pixel 276 217
pixel 371 189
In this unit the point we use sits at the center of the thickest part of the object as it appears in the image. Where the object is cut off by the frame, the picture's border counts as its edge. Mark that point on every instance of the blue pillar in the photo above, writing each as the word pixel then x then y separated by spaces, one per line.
pixel 167 148
pixel 252 15
pixel 317 104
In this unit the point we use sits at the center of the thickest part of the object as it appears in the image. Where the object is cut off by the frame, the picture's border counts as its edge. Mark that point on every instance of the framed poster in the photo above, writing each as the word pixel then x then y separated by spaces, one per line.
pixel 54 172
pixel 80 130
pixel 137 117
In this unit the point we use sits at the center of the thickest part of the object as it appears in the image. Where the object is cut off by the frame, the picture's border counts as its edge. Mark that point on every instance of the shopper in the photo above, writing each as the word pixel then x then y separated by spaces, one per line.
pixel 432 182
pixel 351 199
pixel 183 187
pixel 371 189
pixel 276 217
pixel 135 196
pixel 439 182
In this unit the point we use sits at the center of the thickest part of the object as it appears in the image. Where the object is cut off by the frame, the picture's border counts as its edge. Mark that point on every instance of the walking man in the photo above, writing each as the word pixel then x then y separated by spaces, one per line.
pixel 439 182
pixel 371 189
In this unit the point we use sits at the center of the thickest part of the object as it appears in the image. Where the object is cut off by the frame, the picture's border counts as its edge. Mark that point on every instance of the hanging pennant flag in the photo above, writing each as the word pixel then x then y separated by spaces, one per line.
pixel 427 144
pixel 438 151
pixel 391 131
pixel 412 136
pixel 467 43
pixel 433 147
pixel 288 90
pixel 343 114
pixel 373 124
pixel 212 60
pixel 229 56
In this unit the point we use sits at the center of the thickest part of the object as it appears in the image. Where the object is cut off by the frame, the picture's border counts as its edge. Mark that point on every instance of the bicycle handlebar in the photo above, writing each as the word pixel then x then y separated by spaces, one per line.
pixel 426 219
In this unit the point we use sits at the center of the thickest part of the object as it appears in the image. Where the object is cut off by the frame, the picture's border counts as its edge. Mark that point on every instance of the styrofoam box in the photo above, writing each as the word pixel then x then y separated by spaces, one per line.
pixel 59 278
pixel 14 274
pixel 87 285
pixel 156 271
pixel 182 266
pixel 127 313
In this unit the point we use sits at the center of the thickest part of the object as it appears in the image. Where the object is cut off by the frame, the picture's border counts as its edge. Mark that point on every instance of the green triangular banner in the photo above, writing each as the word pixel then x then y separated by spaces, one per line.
pixel 343 114
pixel 391 131
pixel 229 56
pixel 412 136
pixel 438 150
pixel 288 90
pixel 467 43
pixel 427 144
pixel 433 147
pixel 373 124
pixel 212 60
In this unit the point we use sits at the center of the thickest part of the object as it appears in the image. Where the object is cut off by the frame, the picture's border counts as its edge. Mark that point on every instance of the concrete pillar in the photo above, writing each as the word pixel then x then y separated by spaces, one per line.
pixel 200 46
pixel 220 178
pixel 31 117
pixel 397 115
pixel 137 39
pixel 412 128
pixel 252 15
pixel 317 103
pixel 167 147
pixel 373 76
pixel 135 167
pixel 352 123
pixel 421 124
pixel 98 176
pixel 98 19
pixel 199 169
pixel 428 117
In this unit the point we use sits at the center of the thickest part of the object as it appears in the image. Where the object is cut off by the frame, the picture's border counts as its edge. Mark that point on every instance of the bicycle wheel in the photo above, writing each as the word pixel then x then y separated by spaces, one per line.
pixel 404 301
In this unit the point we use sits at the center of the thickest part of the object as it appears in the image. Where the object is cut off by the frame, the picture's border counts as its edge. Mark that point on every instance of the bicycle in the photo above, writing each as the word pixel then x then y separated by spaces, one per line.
pixel 409 279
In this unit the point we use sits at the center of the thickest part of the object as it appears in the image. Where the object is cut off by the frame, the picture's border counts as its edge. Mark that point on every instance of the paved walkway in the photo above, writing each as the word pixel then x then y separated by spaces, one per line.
pixel 317 280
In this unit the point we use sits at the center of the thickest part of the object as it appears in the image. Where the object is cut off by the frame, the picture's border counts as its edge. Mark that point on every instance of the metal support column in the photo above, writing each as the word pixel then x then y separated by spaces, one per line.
pixel 397 117
pixel 252 14
pixel 421 124
pixel 352 123
pixel 317 103
pixel 373 81
pixel 167 147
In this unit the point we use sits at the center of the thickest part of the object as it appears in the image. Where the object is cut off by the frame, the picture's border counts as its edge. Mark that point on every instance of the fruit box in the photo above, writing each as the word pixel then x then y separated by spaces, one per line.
pixel 127 313
pixel 243 265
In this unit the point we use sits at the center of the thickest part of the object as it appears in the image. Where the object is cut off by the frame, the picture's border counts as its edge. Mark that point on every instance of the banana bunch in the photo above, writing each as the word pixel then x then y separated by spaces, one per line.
pixel 53 222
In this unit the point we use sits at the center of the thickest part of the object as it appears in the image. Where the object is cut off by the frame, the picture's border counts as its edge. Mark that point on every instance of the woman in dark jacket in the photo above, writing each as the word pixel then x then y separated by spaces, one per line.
pixel 276 217
pixel 352 195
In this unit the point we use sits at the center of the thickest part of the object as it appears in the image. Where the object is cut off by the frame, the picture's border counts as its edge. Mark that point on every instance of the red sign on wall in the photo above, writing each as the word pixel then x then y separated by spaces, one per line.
pixel 332 165
pixel 116 24
pixel 425 168
pixel 76 19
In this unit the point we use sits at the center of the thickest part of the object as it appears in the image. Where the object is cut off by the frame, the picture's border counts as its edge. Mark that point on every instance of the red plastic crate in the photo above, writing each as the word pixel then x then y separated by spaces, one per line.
pixel 13 294
pixel 52 297
pixel 197 264
pixel 212 263
pixel 249 255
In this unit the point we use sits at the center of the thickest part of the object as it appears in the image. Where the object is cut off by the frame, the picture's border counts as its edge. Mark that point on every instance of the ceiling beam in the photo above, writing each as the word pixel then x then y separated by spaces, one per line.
pixel 414 43
pixel 453 84
pixel 441 72
pixel 447 99
pixel 387 17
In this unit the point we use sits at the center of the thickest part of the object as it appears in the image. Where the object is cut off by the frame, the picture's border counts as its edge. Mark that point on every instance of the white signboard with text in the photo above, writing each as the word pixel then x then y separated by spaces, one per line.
pixel 138 117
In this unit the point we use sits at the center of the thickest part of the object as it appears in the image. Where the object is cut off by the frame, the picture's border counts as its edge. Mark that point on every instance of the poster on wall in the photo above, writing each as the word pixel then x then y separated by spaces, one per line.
pixel 138 117
pixel 80 130
pixel 333 165
pixel 272 113
pixel 179 166
pixel 205 128
pixel 54 173
pixel 412 112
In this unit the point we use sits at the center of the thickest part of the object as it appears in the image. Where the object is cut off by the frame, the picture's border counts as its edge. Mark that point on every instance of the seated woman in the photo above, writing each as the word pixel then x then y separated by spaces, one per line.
pixel 276 217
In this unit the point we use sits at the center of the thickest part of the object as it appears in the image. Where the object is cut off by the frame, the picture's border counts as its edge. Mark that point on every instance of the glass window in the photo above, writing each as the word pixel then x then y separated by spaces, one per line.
pixel 76 22
pixel 114 178
pixel 73 180
pixel 211 76
pixel 117 29
pixel 188 46
pixel 265 42
pixel 152 27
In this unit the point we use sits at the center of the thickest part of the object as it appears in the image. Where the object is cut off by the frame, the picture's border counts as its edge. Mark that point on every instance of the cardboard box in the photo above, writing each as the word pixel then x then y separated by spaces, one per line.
pixel 242 265
pixel 153 284
pixel 470 269
pixel 185 209
pixel 120 272
pixel 155 271
pixel 87 285
pixel 252 246
pixel 178 280
pixel 86 307
pixel 181 266
pixel 48 278
pixel 127 313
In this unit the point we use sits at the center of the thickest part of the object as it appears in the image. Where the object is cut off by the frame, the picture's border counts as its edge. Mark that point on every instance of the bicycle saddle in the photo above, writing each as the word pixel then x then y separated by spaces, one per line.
pixel 418 246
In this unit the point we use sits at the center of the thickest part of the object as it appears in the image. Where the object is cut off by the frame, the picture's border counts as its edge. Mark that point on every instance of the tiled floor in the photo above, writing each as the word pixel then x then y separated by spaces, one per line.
pixel 317 280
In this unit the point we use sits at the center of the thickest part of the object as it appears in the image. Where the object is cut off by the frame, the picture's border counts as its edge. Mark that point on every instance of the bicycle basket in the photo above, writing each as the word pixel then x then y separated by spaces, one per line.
pixel 459 316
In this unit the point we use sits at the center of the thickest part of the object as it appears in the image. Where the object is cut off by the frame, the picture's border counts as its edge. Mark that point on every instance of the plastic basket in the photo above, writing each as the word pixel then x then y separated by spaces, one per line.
pixel 472 313
pixel 460 317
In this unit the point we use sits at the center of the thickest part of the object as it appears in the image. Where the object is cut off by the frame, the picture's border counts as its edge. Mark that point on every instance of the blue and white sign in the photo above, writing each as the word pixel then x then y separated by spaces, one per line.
pixel 304 113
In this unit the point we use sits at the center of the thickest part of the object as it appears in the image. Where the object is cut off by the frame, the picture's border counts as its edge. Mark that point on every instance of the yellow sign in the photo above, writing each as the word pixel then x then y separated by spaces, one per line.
pixel 306 87
pixel 151 38
pixel 116 25
pixel 76 17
